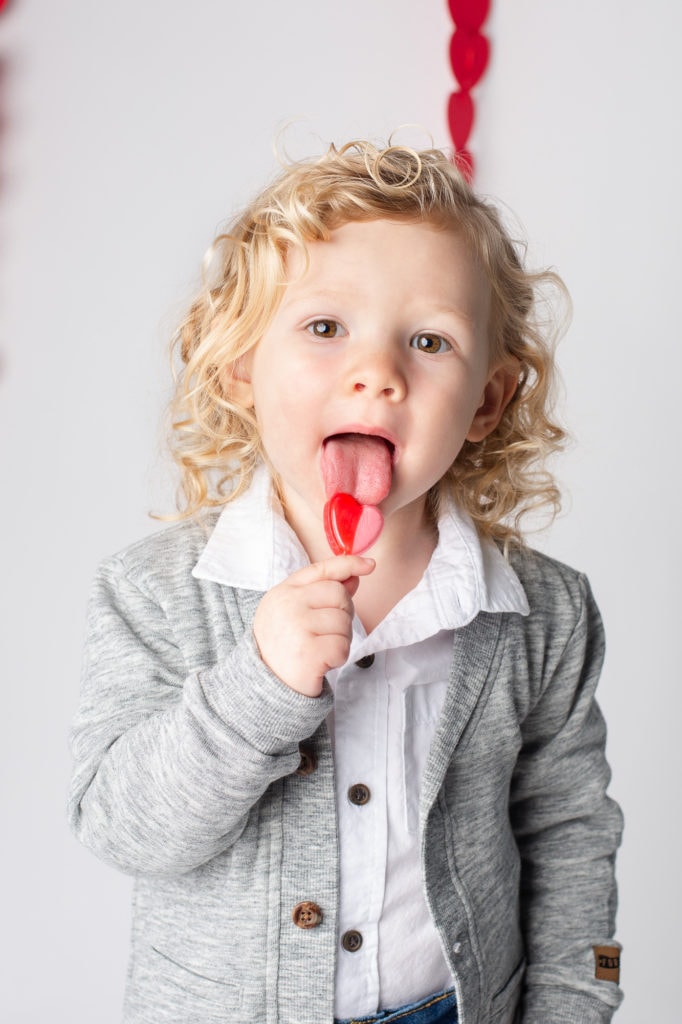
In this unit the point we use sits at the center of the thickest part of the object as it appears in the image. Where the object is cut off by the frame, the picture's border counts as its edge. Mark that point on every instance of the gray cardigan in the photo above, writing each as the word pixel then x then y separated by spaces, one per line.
pixel 188 775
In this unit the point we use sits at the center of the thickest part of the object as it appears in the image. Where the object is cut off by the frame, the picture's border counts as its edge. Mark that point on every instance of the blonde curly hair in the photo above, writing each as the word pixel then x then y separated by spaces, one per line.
pixel 216 442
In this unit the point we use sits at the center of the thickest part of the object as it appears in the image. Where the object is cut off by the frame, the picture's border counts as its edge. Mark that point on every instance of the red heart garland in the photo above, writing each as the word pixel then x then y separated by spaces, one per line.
pixel 460 117
pixel 469 53
pixel 469 13
pixel 469 56
pixel 350 527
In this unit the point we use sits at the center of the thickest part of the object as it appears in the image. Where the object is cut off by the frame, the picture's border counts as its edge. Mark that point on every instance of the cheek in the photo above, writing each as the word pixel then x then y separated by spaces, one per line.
pixel 451 422
pixel 458 407
pixel 283 414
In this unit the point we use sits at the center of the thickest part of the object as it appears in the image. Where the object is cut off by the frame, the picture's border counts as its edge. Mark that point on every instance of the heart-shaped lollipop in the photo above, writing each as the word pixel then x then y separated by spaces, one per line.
pixel 350 527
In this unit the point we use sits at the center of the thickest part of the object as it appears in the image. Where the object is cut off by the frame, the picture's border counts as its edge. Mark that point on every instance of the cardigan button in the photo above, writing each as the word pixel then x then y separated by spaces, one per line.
pixel 306 914
pixel 308 762
pixel 359 794
pixel 351 940
pixel 365 662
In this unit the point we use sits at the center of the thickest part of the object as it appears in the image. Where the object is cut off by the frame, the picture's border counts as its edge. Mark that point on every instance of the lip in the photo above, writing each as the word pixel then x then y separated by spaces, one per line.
pixel 359 428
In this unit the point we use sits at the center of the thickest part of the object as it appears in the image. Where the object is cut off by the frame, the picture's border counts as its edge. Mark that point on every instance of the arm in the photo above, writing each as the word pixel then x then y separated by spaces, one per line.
pixel 169 764
pixel 567 830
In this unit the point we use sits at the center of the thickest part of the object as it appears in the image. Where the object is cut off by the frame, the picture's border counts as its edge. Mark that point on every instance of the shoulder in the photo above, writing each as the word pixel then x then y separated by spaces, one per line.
pixel 147 596
pixel 560 597
pixel 561 641
pixel 546 579
pixel 164 559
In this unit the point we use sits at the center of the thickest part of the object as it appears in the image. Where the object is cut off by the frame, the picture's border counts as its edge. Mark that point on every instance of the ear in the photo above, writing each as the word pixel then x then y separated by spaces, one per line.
pixel 236 381
pixel 498 393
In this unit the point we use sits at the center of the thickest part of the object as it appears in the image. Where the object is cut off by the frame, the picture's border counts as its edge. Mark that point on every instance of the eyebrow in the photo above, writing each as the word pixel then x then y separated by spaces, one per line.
pixel 451 311
pixel 329 296
pixel 324 295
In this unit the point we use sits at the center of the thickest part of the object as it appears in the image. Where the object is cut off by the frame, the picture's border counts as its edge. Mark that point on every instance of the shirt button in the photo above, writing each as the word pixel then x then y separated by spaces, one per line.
pixel 365 662
pixel 359 794
pixel 308 762
pixel 306 914
pixel 351 940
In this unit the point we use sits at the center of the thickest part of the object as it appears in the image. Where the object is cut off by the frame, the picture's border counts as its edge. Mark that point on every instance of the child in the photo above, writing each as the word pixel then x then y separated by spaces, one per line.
pixel 356 787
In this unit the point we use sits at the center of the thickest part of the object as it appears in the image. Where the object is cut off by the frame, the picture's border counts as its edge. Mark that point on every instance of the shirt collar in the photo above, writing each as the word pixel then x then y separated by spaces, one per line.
pixel 253 547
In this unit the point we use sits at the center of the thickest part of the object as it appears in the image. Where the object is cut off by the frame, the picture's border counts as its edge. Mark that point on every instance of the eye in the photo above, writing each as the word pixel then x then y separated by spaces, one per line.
pixel 432 344
pixel 324 328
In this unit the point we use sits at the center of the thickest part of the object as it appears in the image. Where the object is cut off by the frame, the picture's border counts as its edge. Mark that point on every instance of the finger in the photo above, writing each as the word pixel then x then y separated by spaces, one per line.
pixel 333 650
pixel 328 594
pixel 339 567
pixel 330 622
pixel 351 585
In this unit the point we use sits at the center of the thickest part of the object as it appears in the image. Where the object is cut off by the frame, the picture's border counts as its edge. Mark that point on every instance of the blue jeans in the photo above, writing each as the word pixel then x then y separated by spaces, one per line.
pixel 440 1008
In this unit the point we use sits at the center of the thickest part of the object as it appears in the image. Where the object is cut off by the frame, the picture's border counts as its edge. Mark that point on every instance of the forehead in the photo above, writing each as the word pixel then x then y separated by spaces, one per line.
pixel 422 256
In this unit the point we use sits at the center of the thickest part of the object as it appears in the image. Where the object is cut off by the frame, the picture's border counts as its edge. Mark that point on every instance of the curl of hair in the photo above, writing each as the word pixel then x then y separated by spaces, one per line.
pixel 216 441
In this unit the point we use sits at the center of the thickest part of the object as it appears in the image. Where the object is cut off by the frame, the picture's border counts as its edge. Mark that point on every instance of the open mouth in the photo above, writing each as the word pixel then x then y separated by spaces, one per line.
pixel 361 437
pixel 358 464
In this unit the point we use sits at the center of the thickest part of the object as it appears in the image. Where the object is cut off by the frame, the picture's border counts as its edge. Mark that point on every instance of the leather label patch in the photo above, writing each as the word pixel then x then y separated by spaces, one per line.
pixel 607 963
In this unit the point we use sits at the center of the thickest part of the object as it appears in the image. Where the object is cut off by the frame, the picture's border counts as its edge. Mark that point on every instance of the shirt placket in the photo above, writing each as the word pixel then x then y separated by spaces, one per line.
pixel 360 724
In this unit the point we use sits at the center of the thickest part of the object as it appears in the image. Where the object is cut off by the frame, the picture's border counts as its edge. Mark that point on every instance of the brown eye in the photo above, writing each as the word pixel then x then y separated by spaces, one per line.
pixel 432 344
pixel 323 328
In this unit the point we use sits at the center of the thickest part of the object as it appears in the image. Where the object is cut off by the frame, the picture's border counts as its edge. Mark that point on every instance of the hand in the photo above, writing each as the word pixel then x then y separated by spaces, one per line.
pixel 303 626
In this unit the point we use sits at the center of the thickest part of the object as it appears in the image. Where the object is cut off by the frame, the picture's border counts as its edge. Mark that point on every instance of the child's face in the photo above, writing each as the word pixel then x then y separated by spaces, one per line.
pixel 386 332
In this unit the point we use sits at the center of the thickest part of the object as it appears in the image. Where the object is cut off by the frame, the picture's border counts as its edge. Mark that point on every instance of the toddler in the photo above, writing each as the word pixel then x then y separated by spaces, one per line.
pixel 356 787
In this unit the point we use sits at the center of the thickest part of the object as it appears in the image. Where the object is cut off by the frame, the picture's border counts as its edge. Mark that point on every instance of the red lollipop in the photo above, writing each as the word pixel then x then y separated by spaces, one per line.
pixel 351 527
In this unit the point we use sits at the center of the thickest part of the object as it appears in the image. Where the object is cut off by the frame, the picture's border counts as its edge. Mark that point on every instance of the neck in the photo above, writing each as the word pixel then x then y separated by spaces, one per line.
pixel 402 554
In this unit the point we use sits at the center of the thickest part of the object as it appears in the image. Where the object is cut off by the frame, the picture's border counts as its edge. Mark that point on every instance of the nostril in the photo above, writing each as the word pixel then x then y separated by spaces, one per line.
pixel 359 387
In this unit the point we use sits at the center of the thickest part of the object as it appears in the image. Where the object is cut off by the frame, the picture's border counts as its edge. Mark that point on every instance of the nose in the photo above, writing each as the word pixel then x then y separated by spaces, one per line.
pixel 379 376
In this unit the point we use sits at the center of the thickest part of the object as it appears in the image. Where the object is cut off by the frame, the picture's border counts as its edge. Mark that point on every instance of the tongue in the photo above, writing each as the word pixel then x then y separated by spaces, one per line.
pixel 356 471
pixel 359 465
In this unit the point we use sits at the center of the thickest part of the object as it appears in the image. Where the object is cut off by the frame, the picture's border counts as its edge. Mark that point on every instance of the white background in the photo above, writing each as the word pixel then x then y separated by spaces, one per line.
pixel 130 130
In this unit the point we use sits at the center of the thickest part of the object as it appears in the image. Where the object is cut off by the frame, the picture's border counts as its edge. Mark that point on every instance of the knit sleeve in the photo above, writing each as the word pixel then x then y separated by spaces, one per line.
pixel 567 830
pixel 170 763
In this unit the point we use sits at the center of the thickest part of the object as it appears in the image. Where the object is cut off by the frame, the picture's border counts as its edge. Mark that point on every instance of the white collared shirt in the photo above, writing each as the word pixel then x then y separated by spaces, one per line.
pixel 384 719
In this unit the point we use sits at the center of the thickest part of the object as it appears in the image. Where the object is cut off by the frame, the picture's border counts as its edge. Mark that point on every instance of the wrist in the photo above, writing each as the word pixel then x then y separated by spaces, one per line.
pixel 306 688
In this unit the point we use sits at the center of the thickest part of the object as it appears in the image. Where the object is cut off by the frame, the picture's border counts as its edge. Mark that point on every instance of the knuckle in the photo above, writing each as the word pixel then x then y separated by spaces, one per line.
pixel 341 649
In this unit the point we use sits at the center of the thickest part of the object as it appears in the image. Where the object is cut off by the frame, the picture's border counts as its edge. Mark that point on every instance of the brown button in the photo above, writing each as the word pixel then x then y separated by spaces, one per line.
pixel 359 794
pixel 308 762
pixel 306 915
pixel 366 662
pixel 351 941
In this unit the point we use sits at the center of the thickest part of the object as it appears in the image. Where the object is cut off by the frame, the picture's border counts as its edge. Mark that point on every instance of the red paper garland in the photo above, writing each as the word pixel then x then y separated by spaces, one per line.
pixel 469 56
